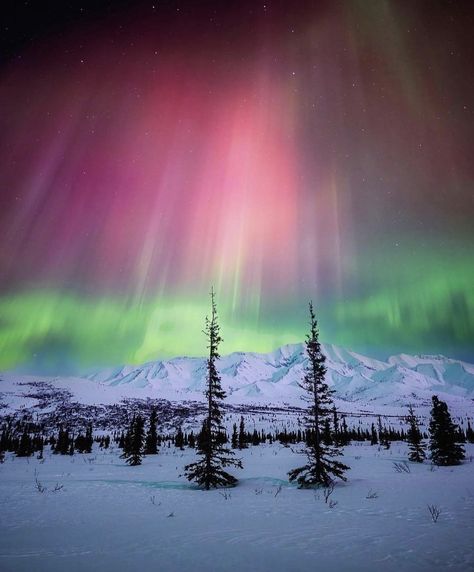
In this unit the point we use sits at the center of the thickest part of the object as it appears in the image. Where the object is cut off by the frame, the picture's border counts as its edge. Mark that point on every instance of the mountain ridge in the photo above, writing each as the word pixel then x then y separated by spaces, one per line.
pixel 247 374
pixel 360 382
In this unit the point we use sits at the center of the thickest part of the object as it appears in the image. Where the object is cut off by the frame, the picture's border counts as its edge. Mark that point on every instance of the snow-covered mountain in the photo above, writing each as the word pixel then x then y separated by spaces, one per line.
pixel 271 379
pixel 274 377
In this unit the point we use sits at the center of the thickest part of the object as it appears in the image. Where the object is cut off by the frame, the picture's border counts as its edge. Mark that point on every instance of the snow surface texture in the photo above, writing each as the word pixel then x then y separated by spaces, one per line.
pixel 361 383
pixel 111 517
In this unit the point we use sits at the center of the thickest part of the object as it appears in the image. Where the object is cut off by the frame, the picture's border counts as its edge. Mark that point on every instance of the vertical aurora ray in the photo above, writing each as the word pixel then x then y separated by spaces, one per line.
pixel 319 153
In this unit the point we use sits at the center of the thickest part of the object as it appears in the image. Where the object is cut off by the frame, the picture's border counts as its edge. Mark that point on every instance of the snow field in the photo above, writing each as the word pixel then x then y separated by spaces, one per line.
pixel 108 516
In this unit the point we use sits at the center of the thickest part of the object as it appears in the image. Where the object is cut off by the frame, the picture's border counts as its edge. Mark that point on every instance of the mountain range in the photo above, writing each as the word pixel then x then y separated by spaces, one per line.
pixel 275 376
pixel 360 382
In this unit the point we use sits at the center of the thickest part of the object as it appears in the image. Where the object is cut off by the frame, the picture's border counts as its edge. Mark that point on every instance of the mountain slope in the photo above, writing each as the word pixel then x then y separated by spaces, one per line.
pixel 275 376
pixel 361 383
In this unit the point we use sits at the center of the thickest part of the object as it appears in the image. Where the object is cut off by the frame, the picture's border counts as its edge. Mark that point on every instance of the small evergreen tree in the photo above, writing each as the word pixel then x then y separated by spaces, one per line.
pixel 444 448
pixel 242 434
pixel 62 444
pixel 235 437
pixel 79 443
pixel 89 439
pixel 151 441
pixel 40 449
pixel 383 435
pixel 179 439
pixel 25 448
pixel 415 438
pixel 373 435
pixel 322 466
pixel 344 436
pixel 255 438
pixel 209 471
pixel 133 447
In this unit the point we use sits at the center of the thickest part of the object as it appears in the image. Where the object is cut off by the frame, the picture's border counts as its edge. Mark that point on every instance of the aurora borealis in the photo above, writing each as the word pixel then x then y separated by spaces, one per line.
pixel 278 151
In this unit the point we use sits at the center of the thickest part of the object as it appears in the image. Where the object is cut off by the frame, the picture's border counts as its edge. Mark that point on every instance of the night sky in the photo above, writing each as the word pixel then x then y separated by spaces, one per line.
pixel 280 151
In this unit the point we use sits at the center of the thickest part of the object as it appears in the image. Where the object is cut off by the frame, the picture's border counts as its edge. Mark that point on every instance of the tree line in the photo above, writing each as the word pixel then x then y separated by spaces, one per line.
pixel 25 439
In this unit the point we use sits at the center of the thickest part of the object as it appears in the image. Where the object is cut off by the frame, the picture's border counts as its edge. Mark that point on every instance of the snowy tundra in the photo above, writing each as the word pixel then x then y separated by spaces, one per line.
pixel 94 513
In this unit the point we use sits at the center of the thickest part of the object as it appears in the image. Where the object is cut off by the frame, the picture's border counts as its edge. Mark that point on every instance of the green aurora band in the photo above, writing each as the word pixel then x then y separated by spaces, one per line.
pixel 66 332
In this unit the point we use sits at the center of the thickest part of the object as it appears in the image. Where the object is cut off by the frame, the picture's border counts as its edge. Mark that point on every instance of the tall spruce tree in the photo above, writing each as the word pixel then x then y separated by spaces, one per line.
pixel 322 466
pixel 133 447
pixel 209 471
pixel 444 447
pixel 415 438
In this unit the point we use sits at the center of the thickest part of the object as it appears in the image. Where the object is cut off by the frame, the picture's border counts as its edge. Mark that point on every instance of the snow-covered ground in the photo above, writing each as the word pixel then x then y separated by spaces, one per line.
pixel 108 516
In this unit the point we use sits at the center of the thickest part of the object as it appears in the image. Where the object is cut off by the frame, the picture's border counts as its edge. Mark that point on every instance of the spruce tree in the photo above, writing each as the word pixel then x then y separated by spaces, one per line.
pixel 444 448
pixel 133 447
pixel 62 444
pixel 255 438
pixel 415 438
pixel 24 448
pixel 89 439
pixel 179 439
pixel 322 467
pixel 469 433
pixel 209 471
pixel 373 435
pixel 79 443
pixel 383 434
pixel 344 434
pixel 235 437
pixel 151 441
pixel 242 434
